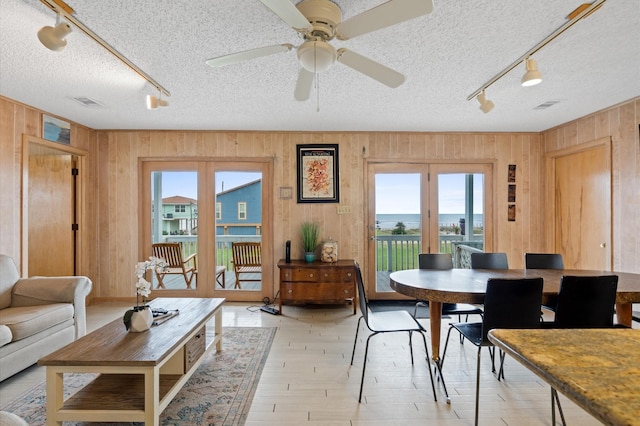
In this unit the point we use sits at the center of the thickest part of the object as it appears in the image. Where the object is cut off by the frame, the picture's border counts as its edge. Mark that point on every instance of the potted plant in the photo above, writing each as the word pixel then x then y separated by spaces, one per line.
pixel 310 232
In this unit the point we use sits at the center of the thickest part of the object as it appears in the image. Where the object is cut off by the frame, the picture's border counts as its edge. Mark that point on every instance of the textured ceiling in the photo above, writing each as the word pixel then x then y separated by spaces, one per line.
pixel 445 57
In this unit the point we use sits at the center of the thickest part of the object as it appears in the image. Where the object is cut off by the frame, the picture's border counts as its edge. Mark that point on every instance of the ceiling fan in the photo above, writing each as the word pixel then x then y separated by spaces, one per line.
pixel 318 22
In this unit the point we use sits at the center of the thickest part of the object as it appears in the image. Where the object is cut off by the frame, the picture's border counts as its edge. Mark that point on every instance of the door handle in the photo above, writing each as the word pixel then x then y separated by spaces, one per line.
pixel 603 245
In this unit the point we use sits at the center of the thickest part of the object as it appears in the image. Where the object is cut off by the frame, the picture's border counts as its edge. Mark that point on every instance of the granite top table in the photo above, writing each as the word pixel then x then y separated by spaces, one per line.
pixel 598 369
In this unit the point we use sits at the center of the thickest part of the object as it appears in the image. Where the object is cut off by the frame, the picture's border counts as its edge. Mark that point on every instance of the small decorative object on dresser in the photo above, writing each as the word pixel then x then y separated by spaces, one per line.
pixel 140 317
pixel 310 233
pixel 329 252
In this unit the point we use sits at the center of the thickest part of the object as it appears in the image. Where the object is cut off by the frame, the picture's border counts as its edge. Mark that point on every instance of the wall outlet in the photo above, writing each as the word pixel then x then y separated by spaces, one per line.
pixel 344 209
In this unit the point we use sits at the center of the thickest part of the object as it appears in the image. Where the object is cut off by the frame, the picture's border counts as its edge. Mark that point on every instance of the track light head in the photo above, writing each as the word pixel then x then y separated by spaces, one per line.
pixel 53 38
pixel 532 76
pixel 485 105
pixel 155 102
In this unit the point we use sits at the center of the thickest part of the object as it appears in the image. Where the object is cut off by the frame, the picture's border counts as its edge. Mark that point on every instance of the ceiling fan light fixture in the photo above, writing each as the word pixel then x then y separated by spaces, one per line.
pixel 154 102
pixel 53 38
pixel 532 76
pixel 485 104
pixel 316 55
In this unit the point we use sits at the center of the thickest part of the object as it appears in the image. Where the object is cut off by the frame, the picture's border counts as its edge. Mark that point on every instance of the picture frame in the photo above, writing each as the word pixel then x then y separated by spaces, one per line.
pixel 56 130
pixel 317 173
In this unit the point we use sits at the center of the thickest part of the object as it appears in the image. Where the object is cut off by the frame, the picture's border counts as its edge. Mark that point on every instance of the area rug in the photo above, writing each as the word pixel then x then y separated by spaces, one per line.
pixel 218 393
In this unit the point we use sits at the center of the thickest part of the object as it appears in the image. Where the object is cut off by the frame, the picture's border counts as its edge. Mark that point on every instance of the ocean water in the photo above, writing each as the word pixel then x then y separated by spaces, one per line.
pixel 388 221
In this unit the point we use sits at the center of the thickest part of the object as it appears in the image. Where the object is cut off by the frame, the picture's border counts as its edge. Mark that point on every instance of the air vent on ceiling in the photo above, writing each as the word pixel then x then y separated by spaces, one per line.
pixel 88 102
pixel 547 104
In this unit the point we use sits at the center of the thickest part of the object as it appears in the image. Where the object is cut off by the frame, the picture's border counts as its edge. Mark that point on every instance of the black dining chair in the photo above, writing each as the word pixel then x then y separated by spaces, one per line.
pixel 583 302
pixel 489 261
pixel 387 322
pixel 508 303
pixel 543 261
pixel 444 261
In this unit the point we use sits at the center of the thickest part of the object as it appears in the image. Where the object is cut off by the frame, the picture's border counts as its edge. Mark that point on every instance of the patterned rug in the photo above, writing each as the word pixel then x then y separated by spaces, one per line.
pixel 218 393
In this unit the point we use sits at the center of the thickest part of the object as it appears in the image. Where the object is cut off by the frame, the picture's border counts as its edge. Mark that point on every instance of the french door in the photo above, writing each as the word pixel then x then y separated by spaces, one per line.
pixel 204 206
pixel 423 208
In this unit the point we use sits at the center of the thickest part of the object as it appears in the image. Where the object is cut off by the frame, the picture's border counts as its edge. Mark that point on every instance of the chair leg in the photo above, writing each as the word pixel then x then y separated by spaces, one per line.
pixel 501 371
pixel 356 339
pixel 478 384
pixel 554 399
pixel 433 386
pixel 411 347
pixel 364 366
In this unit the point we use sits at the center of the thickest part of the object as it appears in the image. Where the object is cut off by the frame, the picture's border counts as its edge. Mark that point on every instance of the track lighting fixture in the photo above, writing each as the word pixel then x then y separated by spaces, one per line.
pixel 155 102
pixel 53 38
pixel 532 76
pixel 485 105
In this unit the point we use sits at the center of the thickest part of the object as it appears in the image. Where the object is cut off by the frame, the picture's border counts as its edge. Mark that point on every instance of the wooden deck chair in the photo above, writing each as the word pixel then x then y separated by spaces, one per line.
pixel 246 260
pixel 172 254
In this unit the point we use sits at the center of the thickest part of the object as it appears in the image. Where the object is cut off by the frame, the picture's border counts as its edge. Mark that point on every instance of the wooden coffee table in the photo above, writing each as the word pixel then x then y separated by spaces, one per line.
pixel 139 373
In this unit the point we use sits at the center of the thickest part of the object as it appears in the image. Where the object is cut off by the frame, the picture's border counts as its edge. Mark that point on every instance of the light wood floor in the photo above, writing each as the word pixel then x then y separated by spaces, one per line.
pixel 308 380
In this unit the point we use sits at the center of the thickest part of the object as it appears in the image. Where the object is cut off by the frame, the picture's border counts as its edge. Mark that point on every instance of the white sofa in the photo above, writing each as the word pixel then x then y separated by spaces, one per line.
pixel 38 315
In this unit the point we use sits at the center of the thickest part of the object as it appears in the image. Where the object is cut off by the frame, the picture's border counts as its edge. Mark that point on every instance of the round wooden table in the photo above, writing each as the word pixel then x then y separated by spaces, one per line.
pixel 469 285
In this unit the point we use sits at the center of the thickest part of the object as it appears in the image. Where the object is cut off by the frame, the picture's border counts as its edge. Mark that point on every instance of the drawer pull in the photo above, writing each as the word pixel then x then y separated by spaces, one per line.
pixel 310 275
pixel 290 291
pixel 349 274
pixel 326 275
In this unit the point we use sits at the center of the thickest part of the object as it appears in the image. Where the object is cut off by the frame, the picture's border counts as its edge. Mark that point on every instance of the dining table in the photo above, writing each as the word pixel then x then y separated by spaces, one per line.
pixel 469 286
pixel 595 368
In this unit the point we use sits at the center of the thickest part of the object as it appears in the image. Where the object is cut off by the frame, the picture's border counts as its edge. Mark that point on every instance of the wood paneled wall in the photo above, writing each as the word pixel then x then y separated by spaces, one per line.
pixel 621 123
pixel 113 182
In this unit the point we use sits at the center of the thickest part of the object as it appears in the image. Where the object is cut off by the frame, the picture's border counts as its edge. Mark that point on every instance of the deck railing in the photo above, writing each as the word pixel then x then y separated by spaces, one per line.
pixel 399 252
pixel 393 252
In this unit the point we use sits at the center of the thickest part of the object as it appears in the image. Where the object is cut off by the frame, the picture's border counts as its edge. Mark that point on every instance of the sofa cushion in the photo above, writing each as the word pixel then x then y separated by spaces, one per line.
pixel 26 321
pixel 8 277
pixel 5 335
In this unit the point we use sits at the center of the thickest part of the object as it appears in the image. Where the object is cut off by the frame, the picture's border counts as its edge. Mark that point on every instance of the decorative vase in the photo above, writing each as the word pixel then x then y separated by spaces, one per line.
pixel 140 319
pixel 309 256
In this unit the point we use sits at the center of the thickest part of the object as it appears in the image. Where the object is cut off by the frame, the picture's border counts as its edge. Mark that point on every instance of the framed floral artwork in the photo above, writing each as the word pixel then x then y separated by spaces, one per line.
pixel 317 173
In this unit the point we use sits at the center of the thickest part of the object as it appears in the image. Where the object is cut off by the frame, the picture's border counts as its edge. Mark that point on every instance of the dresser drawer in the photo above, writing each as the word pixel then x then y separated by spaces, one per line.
pixel 316 292
pixel 343 275
pixel 194 348
pixel 299 274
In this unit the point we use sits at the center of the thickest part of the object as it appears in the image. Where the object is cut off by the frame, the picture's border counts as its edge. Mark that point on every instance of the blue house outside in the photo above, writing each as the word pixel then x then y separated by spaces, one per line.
pixel 239 210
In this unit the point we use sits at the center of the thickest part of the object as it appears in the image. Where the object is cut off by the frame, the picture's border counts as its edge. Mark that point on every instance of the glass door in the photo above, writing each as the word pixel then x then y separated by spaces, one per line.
pixel 396 222
pixel 423 208
pixel 238 211
pixel 174 219
pixel 458 197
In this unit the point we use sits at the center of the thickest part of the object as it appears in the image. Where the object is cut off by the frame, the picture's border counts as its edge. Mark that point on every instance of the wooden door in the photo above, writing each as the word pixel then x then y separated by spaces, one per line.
pixel 51 215
pixel 583 208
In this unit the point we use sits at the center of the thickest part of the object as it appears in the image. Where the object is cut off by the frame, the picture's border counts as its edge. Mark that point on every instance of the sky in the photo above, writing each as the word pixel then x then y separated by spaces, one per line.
pixel 399 193
pixel 396 193
pixel 185 183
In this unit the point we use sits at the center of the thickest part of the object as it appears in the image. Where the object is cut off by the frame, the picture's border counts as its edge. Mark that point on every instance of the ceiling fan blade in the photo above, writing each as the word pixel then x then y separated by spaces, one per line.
pixel 303 86
pixel 289 14
pixel 246 55
pixel 387 14
pixel 371 68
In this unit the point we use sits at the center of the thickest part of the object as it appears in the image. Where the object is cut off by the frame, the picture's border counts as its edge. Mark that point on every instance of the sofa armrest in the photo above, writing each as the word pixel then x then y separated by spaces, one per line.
pixel 35 291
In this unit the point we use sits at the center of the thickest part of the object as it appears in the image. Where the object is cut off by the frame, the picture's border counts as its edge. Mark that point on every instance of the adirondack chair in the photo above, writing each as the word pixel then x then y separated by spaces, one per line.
pixel 172 254
pixel 246 260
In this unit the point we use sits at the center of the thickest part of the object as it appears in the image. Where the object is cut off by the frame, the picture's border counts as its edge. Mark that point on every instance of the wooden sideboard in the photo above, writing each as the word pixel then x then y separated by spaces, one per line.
pixel 317 282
